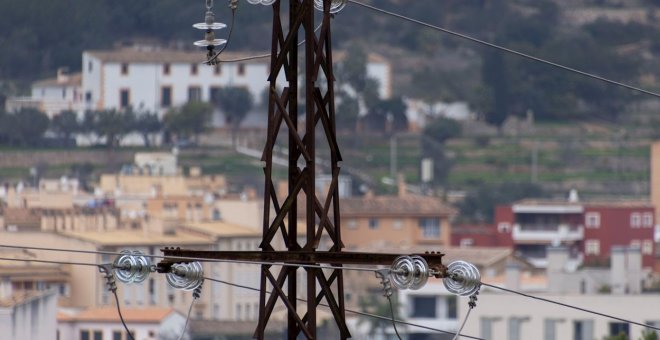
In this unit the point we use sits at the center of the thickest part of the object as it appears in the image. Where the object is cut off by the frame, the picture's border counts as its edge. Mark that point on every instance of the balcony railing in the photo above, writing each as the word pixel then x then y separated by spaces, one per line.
pixel 547 233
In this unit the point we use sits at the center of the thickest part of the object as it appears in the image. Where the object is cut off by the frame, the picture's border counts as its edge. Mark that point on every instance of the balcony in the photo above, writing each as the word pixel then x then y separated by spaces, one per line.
pixel 537 233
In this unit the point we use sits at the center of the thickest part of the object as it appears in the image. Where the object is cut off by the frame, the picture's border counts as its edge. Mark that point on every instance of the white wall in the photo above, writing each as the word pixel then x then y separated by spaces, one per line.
pixel 171 326
pixel 502 307
pixel 20 321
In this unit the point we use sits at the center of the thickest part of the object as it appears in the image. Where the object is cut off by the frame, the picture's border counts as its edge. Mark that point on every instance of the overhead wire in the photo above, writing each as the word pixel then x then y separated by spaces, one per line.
pixel 504 49
pixel 348 310
pixel 121 317
pixel 351 311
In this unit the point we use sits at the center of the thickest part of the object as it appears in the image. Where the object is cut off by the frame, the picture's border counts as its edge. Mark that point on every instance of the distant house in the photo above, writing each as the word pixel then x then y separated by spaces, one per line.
pixel 52 96
pixel 104 323
pixel 158 79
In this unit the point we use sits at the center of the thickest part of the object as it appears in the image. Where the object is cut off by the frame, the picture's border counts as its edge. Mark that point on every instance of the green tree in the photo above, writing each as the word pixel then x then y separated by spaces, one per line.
pixel 114 125
pixel 346 112
pixel 235 103
pixel 441 129
pixel 188 121
pixel 378 305
pixel 147 123
pixel 65 124
pixel 649 334
pixel 25 127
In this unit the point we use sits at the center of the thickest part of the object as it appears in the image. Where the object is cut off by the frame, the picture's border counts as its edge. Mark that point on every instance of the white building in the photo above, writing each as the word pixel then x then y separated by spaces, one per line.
pixel 20 313
pixel 52 96
pixel 104 323
pixel 156 80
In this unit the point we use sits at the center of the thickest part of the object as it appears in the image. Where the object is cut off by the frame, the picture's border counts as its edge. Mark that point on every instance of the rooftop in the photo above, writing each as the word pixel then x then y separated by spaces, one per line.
pixel 109 314
pixel 220 229
pixel 74 79
pixel 21 298
pixel 614 203
pixel 395 205
pixel 157 55
pixel 139 238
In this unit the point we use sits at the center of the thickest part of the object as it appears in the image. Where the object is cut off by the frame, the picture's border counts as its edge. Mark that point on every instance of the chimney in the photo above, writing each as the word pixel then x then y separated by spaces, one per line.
pixel 618 270
pixel 401 184
pixel 634 274
pixel 512 275
pixel 62 74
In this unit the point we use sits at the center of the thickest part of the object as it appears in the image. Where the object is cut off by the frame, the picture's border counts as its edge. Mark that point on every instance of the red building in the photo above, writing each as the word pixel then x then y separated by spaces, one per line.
pixel 588 229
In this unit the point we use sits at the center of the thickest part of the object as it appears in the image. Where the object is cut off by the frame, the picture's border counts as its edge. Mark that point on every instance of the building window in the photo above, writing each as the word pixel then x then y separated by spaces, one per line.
pixel 452 309
pixel 635 220
pixel 98 335
pixel 124 69
pixel 64 93
pixel 549 329
pixel 592 220
pixel 216 215
pixel 214 94
pixel 166 69
pixel 636 244
pixel 514 328
pixel 124 98
pixel 85 334
pixel 620 328
pixel 194 94
pixel 217 70
pixel 503 227
pixel 583 330
pixel 486 326
pixel 423 307
pixel 241 69
pixel 647 247
pixel 430 227
pixel 194 69
pixel 647 220
pixel 466 242
pixel 373 223
pixel 654 323
pixel 90 66
pixel 166 96
pixel 238 312
pixel 592 247
pixel 88 96
pixel 153 297
pixel 352 224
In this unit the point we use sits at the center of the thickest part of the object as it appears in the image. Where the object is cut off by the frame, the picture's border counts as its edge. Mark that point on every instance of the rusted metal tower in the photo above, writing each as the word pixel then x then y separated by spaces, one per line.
pixel 322 216
pixel 319 111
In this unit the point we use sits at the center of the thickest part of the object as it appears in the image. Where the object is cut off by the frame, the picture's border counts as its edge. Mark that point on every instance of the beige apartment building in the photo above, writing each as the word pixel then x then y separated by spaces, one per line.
pixel 405 220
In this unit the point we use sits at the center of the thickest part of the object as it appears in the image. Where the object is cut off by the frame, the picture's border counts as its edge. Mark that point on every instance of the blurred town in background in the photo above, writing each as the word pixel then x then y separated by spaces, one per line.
pixel 114 135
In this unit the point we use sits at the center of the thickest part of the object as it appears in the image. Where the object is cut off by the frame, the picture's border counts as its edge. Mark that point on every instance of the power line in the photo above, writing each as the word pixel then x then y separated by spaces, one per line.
pixel 49 261
pixel 121 317
pixel 505 49
pixel 350 311
pixel 570 306
pixel 283 264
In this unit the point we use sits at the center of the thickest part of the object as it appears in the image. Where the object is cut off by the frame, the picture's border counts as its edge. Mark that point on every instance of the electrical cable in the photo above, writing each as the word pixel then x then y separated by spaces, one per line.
pixel 49 261
pixel 196 294
pixel 458 332
pixel 389 299
pixel 350 311
pixel 214 58
pixel 505 49
pixel 121 317
pixel 571 306
pixel 259 56
pixel 283 264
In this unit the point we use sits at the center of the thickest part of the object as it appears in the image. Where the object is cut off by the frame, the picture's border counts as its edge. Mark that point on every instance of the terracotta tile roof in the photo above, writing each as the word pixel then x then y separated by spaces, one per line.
pixel 74 79
pixel 587 203
pixel 220 229
pixel 408 205
pixel 109 314
pixel 138 237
